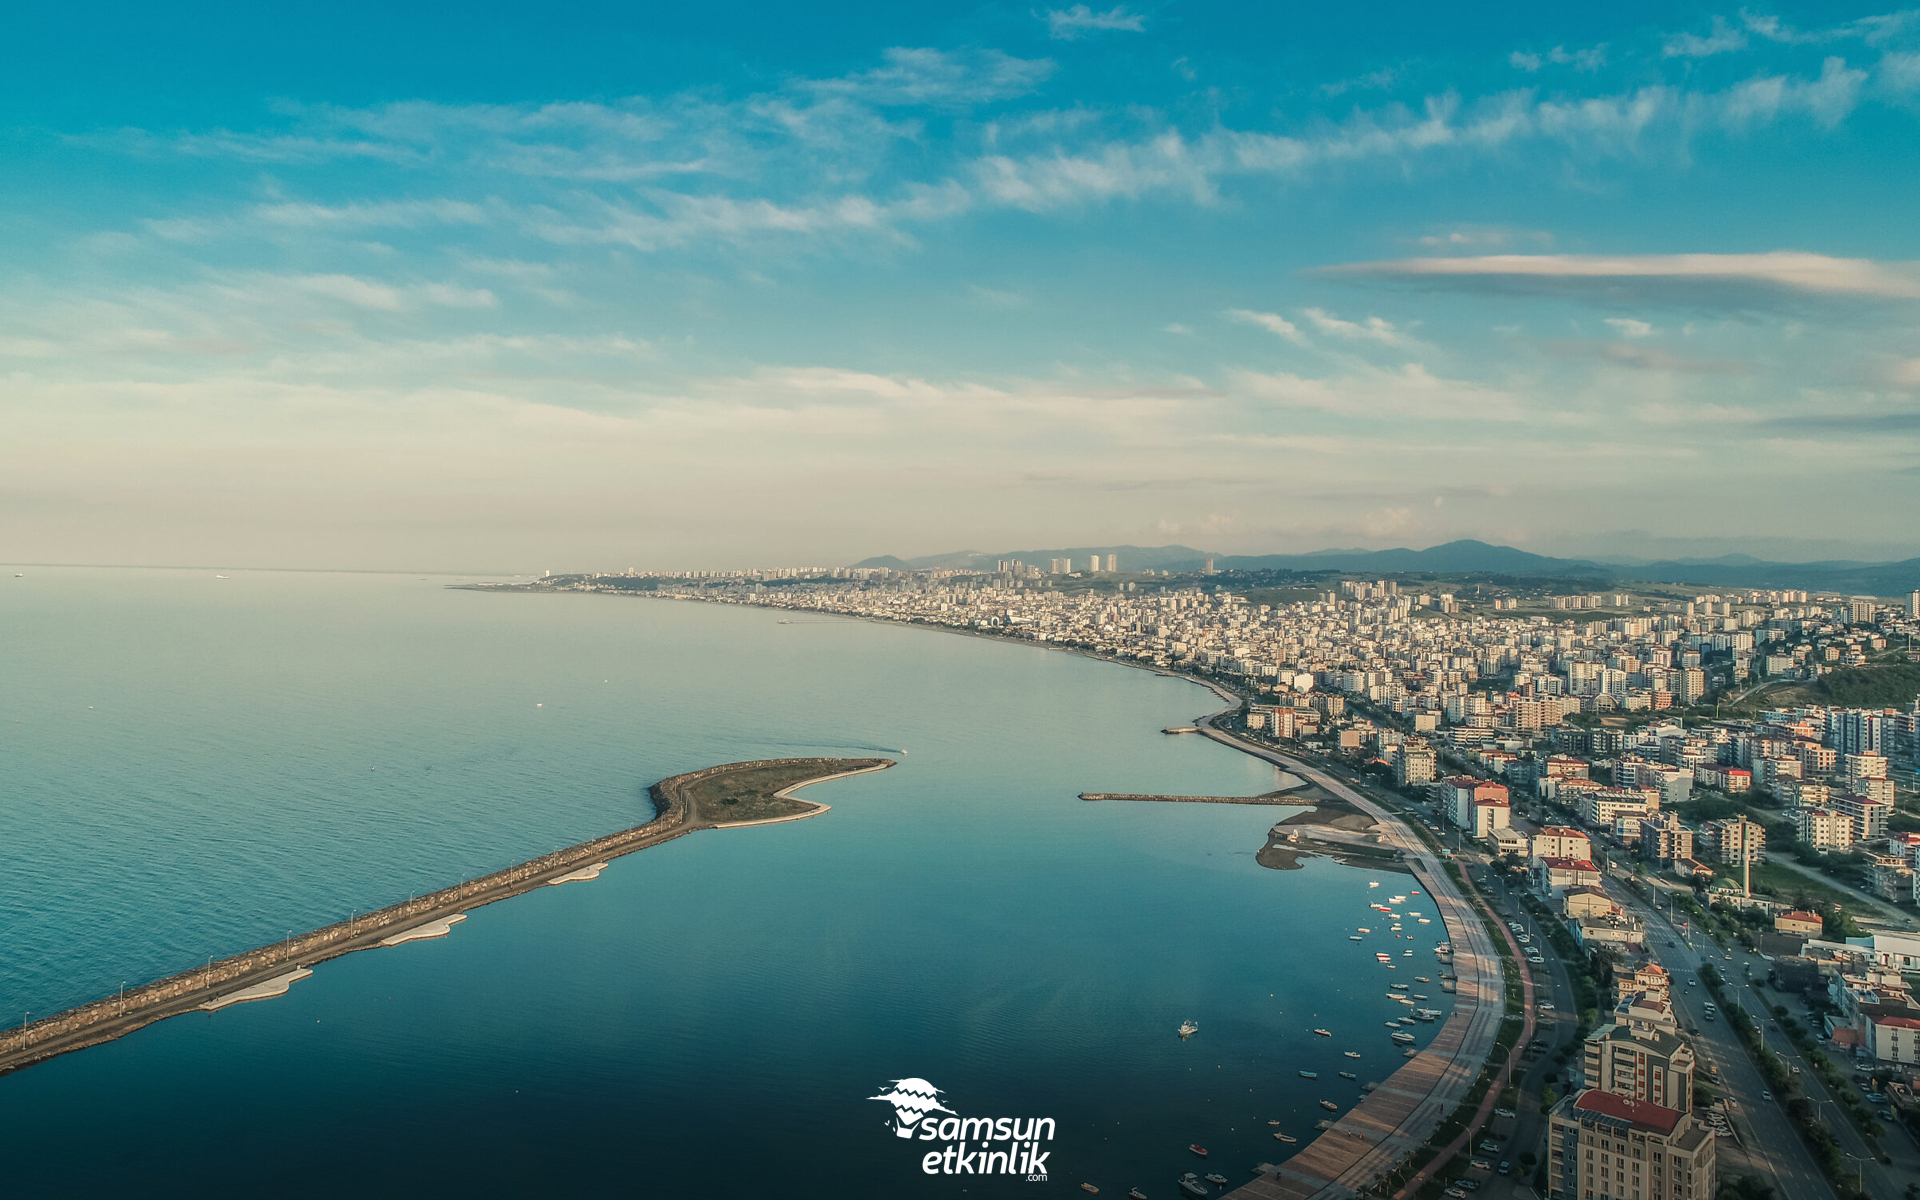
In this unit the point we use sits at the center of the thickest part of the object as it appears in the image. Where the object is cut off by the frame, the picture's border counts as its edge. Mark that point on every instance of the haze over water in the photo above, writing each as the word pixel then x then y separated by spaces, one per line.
pixel 190 766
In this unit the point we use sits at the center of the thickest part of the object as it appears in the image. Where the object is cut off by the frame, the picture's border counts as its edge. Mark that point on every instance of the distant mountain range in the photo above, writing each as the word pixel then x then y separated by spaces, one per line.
pixel 1470 557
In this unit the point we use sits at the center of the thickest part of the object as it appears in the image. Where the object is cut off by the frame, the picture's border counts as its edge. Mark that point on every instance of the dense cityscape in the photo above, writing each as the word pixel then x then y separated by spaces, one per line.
pixel 1639 772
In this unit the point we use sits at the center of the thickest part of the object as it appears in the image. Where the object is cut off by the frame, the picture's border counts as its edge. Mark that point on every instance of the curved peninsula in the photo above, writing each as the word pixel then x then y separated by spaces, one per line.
pixel 728 796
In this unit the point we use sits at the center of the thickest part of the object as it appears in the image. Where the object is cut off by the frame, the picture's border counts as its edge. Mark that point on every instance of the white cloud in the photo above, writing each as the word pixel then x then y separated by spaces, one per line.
pixel 1724 39
pixel 924 76
pixel 1070 23
pixel 1628 327
pixel 1373 329
pixel 1789 269
pixel 405 214
pixel 1412 391
pixel 1590 59
pixel 1271 322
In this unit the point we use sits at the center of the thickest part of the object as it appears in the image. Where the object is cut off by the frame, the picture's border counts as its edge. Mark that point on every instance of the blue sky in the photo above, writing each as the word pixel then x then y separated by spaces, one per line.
pixel 608 285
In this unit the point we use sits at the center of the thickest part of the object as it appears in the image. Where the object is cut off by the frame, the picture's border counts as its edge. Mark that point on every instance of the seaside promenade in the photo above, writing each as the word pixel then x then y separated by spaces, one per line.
pixel 680 808
pixel 1377 1134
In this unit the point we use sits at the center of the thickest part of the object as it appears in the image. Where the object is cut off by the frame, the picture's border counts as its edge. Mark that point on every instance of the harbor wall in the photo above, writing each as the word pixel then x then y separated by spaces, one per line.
pixel 119 1014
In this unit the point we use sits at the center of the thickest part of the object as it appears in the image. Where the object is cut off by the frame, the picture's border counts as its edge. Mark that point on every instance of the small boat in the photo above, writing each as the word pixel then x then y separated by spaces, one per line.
pixel 1407 1020
pixel 1216 1180
pixel 1309 1074
pixel 1383 956
pixel 1421 979
pixel 1353 1054
pixel 1330 1106
pixel 1373 885
pixel 1403 1037
pixel 1288 1138
pixel 1273 1122
pixel 1353 937
pixel 1324 1032
pixel 1364 929
pixel 1393 1024
pixel 1085 1187
pixel 1136 1194
pixel 1348 1075
pixel 1399 987
pixel 1426 921
pixel 1188 1029
pixel 1197 1148
pixel 1406 954
pixel 1419 995
pixel 1190 1185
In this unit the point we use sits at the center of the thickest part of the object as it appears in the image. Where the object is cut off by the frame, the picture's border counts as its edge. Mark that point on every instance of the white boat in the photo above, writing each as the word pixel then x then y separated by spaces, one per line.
pixel 1353 937
pixel 1403 1037
pixel 1188 1029
pixel 1370 884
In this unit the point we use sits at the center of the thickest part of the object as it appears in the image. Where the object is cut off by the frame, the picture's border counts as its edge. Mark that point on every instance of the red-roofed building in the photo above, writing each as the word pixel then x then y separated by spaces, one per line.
pixel 1555 875
pixel 1799 922
pixel 1560 841
pixel 1894 1039
pixel 1600 1145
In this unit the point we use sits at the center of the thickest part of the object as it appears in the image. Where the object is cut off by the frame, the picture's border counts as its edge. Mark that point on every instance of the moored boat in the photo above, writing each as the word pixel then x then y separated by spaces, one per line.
pixel 1215 1179
pixel 1309 1074
pixel 1197 1148
pixel 1403 1037
pixel 1288 1138
pixel 1090 1189
pixel 1324 1032
pixel 1330 1106
pixel 1353 1054
pixel 1190 1185
pixel 1348 1075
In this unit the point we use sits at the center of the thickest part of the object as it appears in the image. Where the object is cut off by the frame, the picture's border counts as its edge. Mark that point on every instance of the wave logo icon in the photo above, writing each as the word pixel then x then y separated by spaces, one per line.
pixel 912 1099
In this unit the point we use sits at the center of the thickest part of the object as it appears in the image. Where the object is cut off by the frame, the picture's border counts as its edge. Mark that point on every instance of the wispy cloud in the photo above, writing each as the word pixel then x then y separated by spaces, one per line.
pixel 1794 271
pixel 1644 358
pixel 1273 323
pixel 1723 40
pixel 1590 59
pixel 1628 327
pixel 1068 24
pixel 1373 329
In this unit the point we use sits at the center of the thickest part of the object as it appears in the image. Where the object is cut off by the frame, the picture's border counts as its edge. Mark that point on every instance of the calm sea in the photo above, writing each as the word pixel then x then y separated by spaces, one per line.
pixel 192 765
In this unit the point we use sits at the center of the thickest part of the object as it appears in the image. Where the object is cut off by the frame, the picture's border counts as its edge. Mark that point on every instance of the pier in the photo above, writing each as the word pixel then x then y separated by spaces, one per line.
pixel 729 796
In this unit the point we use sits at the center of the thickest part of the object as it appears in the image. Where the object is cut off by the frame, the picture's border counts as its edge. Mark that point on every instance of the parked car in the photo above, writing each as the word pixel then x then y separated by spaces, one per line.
pixel 1505 1166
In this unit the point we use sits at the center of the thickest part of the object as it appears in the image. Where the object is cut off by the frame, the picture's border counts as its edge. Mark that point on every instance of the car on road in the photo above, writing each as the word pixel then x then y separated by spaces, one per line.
pixel 1490 1146
pixel 1505 1166
pixel 1480 1164
pixel 1458 1193
pixel 1766 1095
pixel 1545 1006
pixel 1503 1112
pixel 1796 1070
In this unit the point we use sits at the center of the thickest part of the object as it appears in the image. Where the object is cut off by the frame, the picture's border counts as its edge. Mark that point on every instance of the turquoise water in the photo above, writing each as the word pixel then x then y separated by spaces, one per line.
pixel 191 765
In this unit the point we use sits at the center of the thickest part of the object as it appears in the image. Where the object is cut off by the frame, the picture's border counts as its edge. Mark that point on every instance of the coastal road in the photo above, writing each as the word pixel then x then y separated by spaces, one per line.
pixel 1762 1125
pixel 1385 1128
pixel 1491 1100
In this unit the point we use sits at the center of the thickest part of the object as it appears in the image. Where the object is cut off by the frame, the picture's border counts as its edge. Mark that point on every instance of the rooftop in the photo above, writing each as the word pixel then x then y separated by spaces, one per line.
pixel 1643 1115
